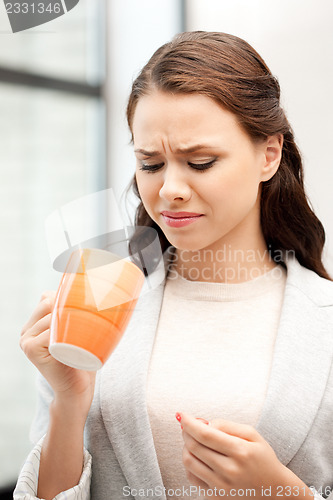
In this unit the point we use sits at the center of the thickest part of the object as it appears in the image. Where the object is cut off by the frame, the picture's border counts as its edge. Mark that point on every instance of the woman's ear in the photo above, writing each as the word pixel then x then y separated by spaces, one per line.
pixel 273 153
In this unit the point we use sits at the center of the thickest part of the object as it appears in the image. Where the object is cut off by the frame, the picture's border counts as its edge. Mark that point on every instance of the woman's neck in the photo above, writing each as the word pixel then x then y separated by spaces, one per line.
pixel 224 264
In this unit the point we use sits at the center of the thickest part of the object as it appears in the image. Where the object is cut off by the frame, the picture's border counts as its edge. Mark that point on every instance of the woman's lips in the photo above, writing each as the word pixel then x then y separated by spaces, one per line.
pixel 180 221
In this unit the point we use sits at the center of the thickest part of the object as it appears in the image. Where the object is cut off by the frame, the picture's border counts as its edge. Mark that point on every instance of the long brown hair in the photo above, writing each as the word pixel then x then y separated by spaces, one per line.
pixel 229 71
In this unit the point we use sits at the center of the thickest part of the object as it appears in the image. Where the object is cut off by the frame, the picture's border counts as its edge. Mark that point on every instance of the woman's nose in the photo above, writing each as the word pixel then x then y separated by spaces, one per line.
pixel 175 185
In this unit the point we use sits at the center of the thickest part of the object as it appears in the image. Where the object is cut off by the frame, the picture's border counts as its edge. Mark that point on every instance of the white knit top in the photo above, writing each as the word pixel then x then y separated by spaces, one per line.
pixel 211 358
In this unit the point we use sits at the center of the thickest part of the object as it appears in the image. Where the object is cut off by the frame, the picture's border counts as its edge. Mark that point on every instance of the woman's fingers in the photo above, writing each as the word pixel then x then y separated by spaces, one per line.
pixel 43 308
pixel 213 459
pixel 198 468
pixel 242 431
pixel 210 437
pixel 194 480
pixel 38 327
pixel 35 341
pixel 223 436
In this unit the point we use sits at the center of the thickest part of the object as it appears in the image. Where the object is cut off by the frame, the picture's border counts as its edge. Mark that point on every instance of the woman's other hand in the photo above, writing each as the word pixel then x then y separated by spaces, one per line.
pixel 230 457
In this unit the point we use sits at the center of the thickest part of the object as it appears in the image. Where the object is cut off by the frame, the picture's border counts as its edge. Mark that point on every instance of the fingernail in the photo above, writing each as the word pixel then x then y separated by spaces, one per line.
pixel 179 418
pixel 203 420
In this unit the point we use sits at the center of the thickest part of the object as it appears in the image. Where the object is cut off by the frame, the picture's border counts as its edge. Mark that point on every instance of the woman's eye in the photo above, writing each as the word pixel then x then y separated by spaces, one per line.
pixel 196 166
pixel 202 166
pixel 151 168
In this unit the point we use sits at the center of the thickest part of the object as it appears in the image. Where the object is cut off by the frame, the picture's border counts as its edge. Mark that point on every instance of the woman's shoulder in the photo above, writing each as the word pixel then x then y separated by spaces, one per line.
pixel 318 289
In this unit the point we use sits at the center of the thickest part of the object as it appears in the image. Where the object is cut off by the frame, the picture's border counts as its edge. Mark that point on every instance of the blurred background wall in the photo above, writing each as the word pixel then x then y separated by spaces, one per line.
pixel 63 134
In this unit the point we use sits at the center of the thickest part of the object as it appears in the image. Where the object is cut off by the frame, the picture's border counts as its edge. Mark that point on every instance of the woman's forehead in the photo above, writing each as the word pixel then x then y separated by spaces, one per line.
pixel 189 121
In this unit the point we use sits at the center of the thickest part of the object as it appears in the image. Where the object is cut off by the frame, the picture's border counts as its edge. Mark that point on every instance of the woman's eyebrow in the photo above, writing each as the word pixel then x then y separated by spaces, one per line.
pixel 191 149
pixel 146 153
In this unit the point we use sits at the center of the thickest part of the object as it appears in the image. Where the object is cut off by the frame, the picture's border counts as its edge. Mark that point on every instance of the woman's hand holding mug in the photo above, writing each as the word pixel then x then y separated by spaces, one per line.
pixel 70 386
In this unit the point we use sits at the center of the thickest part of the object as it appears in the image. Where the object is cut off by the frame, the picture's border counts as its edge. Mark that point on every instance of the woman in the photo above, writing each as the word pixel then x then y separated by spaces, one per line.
pixel 237 341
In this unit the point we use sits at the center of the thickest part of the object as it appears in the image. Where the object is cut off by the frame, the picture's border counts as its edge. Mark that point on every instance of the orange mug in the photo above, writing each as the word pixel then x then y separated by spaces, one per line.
pixel 94 303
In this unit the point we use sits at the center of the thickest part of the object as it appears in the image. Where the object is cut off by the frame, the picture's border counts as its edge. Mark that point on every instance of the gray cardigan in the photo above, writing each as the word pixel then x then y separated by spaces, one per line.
pixel 296 419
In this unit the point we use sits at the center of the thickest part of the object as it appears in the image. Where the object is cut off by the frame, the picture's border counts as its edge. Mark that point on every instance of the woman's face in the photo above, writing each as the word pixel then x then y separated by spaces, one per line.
pixel 192 156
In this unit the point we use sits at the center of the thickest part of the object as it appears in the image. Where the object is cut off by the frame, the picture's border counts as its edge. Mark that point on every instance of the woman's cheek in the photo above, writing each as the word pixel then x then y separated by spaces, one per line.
pixel 142 187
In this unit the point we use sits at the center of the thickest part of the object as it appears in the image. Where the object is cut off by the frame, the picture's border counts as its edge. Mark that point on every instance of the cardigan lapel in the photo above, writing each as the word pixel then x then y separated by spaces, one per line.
pixel 123 393
pixel 301 362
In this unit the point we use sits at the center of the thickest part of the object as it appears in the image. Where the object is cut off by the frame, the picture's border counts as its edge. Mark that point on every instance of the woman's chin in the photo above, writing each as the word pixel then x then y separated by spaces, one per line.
pixel 190 246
